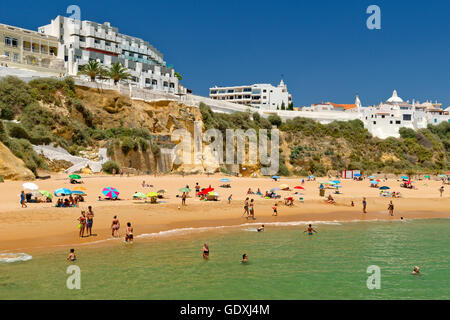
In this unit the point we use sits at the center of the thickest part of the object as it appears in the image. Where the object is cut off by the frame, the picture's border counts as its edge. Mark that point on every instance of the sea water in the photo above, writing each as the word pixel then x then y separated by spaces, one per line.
pixel 284 263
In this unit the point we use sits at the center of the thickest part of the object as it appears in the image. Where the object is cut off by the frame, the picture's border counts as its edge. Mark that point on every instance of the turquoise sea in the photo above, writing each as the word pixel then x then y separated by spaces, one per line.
pixel 284 263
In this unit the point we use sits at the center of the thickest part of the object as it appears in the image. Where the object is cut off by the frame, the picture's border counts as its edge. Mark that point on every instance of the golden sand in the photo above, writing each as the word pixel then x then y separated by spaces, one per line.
pixel 43 225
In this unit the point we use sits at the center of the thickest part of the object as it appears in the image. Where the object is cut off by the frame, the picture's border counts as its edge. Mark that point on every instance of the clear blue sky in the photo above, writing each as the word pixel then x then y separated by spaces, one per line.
pixel 323 47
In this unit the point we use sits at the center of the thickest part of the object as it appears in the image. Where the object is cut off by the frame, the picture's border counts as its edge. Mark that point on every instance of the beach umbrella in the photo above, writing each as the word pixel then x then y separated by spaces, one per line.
pixel 311 176
pixel 79 189
pixel 336 186
pixel 405 178
pixel 374 182
pixel 274 189
pixel 384 188
pixel 75 176
pixel 78 192
pixel 284 186
pixel 357 175
pixel 139 195
pixel 30 186
pixel 299 187
pixel 371 177
pixel 162 191
pixel 225 180
pixel 442 175
pixel 46 194
pixel 110 192
pixel 62 191
pixel 426 177
pixel 336 181
pixel 206 191
pixel 185 190
pixel 213 193
pixel 275 177
pixel 152 194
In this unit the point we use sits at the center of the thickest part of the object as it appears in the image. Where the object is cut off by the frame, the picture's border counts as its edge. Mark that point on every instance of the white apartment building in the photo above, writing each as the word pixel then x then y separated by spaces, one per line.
pixel 386 119
pixel 81 41
pixel 261 96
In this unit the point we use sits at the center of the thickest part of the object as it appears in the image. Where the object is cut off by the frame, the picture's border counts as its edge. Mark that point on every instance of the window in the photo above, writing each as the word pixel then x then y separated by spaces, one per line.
pixel 213 91
pixel 230 91
pixel 247 89
pixel 374 122
pixel 391 122
pixel 398 122
pixel 406 117
pixel 15 42
pixel 7 54
pixel 97 41
pixel 7 41
pixel 172 85
pixel 147 81
pixel 16 57
pixel 108 44
pixel 82 39
pixel 264 90
pixel 154 82
pixel 383 116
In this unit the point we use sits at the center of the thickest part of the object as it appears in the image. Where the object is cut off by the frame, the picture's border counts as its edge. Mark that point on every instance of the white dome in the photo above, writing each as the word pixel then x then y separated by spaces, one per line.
pixel 395 97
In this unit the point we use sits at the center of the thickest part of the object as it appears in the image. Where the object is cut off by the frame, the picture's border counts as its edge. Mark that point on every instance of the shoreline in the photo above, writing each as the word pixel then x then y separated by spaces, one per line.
pixel 41 226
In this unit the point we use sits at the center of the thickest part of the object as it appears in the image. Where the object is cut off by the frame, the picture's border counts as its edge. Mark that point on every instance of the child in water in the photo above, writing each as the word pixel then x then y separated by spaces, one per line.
pixel 71 255
pixel 260 228
pixel 244 258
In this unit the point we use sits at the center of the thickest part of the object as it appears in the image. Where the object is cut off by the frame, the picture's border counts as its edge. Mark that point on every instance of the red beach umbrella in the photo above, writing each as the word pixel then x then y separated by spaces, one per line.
pixel 299 187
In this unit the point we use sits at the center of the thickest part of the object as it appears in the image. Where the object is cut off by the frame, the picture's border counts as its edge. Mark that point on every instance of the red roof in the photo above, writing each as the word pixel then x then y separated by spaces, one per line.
pixel 345 106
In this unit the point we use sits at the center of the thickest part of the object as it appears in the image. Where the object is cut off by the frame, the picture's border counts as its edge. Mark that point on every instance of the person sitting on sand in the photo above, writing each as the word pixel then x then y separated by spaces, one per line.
pixel 205 251
pixel 250 191
pixel 71 256
pixel 66 203
pixel 416 271
pixel 260 229
pixel 129 233
pixel 330 199
pixel 310 230
pixel 244 258
pixel 259 192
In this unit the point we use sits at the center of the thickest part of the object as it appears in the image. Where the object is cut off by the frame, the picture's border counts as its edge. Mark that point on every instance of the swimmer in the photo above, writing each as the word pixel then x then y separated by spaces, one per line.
pixel 244 258
pixel 205 251
pixel 310 230
pixel 416 270
pixel 275 211
pixel 401 218
pixel 71 255
pixel 260 228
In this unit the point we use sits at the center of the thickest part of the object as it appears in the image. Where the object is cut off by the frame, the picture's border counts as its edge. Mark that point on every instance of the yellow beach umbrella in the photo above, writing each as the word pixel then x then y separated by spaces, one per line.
pixel 152 194
pixel 79 189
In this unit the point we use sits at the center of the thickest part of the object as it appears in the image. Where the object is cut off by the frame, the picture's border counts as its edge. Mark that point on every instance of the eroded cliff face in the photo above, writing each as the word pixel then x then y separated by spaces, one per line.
pixel 11 167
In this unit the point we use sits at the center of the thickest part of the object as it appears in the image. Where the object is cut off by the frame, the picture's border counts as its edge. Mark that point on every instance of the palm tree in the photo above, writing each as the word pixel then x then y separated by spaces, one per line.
pixel 118 73
pixel 93 70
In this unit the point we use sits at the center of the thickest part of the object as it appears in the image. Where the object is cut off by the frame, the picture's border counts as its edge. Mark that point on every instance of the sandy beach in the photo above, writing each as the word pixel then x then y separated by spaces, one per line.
pixel 42 226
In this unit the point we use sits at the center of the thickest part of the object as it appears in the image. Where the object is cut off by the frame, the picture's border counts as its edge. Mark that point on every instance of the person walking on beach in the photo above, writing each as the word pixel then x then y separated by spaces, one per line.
pixel 197 189
pixel 90 220
pixel 310 230
pixel 246 207
pixel 71 256
pixel 441 190
pixel 22 199
pixel 115 226
pixel 275 210
pixel 364 203
pixel 205 251
pixel 229 198
pixel 82 224
pixel 391 208
pixel 252 209
pixel 183 199
pixel 129 233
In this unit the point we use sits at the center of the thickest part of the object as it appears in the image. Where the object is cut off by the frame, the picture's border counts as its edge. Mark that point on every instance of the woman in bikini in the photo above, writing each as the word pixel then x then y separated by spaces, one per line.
pixel 246 207
pixel 82 226
pixel 129 234
pixel 252 209
pixel 115 226
pixel 205 251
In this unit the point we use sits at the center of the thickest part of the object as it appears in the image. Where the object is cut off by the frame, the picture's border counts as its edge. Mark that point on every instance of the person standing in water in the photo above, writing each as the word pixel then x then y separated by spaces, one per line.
pixel 71 256
pixel 364 203
pixel 416 271
pixel 115 226
pixel 244 258
pixel 82 225
pixel 22 199
pixel 205 251
pixel 391 208
pixel 310 230
pixel 129 233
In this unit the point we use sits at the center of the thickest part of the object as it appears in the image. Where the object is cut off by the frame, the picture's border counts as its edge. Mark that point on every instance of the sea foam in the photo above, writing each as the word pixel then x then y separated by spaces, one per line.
pixel 14 257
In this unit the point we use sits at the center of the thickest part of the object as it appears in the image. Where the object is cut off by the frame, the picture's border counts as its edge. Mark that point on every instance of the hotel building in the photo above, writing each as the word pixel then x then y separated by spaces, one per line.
pixel 81 41
pixel 261 96
pixel 30 50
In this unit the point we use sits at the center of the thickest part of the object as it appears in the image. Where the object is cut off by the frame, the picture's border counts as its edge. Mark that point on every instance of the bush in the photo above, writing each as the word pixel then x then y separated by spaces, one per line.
pixel 1 179
pixel 275 120
pixel 17 131
pixel 108 166
pixel 6 112
pixel 156 150
pixel 127 145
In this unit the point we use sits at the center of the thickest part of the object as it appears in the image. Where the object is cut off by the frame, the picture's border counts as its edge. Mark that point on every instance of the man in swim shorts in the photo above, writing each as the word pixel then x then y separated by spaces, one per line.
pixel 129 233
pixel 310 230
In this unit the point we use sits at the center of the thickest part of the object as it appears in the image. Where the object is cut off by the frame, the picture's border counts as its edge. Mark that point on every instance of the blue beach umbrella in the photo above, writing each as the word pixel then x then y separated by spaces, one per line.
pixel 371 177
pixel 336 181
pixel 225 180
pixel 311 177
pixel 374 182
pixel 275 177
pixel 62 192
pixel 384 188
pixel 357 175
pixel 405 178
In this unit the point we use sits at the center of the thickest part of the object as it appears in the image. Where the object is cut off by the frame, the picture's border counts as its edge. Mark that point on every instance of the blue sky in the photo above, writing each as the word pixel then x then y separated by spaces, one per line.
pixel 323 48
